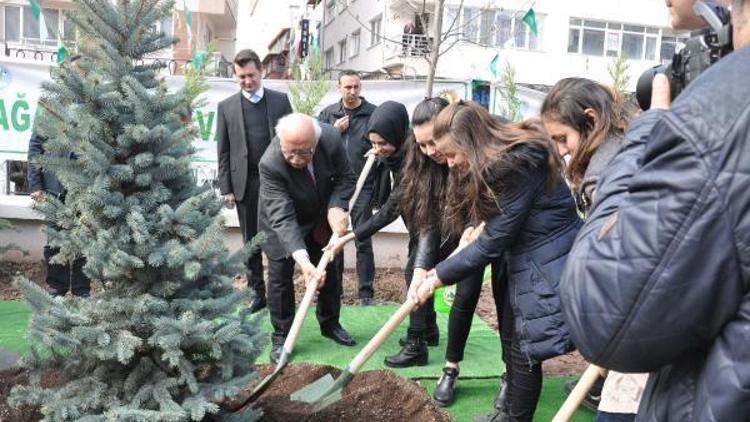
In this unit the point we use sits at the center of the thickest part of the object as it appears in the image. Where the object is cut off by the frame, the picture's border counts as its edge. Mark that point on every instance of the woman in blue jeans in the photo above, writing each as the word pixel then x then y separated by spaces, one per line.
pixel 509 177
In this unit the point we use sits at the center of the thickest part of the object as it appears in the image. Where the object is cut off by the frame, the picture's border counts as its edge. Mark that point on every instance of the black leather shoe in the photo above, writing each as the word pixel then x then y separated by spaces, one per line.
pixel 445 392
pixel 414 353
pixel 258 303
pixel 432 338
pixel 277 346
pixel 339 335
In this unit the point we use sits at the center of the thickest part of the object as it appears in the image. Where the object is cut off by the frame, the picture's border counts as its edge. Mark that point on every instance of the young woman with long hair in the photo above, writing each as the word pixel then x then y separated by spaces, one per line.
pixel 509 177
pixel 587 121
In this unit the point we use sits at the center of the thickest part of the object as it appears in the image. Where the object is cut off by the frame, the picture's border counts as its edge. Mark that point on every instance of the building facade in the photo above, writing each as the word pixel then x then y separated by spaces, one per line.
pixel 575 38
pixel 214 21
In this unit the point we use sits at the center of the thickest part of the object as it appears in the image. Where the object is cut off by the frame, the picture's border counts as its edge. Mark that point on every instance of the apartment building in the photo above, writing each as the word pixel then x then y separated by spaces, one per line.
pixel 213 21
pixel 575 37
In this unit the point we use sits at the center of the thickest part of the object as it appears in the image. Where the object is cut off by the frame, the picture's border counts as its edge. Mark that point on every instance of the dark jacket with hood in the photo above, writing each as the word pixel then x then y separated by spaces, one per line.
pixel 391 121
pixel 531 233
pixel 659 278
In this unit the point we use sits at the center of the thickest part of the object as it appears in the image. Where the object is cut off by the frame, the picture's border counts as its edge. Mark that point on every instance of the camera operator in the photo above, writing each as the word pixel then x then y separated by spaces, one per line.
pixel 659 278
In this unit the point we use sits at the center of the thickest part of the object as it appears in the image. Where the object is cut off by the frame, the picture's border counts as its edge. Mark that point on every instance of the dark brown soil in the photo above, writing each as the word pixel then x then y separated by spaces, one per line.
pixel 370 396
pixel 34 271
pixel 15 376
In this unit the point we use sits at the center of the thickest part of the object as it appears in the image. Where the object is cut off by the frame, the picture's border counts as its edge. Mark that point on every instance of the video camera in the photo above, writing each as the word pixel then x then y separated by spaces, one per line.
pixel 700 52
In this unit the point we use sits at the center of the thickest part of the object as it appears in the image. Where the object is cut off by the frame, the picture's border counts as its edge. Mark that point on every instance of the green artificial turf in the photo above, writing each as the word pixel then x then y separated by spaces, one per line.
pixel 479 370
pixel 476 397
pixel 14 316
pixel 482 356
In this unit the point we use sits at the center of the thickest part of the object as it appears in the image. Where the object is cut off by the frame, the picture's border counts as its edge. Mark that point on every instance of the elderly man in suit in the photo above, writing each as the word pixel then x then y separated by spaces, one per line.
pixel 246 125
pixel 305 183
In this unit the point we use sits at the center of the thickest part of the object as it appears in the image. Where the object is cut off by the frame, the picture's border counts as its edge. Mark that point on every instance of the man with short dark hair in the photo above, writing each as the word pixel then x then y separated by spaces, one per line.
pixel 246 124
pixel 350 116
pixel 659 278
pixel 305 185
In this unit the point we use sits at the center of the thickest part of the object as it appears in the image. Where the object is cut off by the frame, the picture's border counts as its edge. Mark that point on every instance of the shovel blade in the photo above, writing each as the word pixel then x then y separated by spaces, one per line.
pixel 315 391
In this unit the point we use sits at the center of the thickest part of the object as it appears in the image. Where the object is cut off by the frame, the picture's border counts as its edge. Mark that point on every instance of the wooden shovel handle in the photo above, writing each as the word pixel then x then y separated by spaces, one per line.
pixel 395 320
pixel 575 398
pixel 382 335
pixel 311 286
pixel 362 178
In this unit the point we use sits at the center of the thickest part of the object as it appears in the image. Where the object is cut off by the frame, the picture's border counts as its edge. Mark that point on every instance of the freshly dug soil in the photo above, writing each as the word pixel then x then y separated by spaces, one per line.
pixel 370 396
pixel 15 376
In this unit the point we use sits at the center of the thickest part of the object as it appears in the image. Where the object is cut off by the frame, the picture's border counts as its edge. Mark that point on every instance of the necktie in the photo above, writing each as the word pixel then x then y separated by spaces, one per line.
pixel 320 231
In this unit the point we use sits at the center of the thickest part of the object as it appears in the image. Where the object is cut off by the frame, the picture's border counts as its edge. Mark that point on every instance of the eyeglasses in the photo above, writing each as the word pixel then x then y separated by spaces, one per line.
pixel 301 153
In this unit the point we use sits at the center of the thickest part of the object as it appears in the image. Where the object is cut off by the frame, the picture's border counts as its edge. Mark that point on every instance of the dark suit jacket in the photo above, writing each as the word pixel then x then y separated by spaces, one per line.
pixel 38 177
pixel 234 166
pixel 290 204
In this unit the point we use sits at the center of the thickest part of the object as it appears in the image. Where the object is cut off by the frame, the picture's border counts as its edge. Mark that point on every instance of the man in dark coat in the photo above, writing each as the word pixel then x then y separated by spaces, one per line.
pixel 246 124
pixel 659 278
pixel 350 117
pixel 42 182
pixel 305 184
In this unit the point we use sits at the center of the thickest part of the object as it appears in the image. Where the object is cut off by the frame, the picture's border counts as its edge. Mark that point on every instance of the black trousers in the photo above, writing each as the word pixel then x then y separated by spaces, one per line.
pixel 462 314
pixel 524 378
pixel 61 278
pixel 360 213
pixel 281 292
pixel 247 214
pixel 424 317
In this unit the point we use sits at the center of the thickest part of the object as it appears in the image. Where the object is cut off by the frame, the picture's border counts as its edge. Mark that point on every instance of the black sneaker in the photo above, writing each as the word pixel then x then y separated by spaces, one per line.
pixel 593 397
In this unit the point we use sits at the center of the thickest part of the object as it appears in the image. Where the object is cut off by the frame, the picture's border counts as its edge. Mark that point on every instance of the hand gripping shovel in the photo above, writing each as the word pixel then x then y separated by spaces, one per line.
pixel 325 391
pixel 311 287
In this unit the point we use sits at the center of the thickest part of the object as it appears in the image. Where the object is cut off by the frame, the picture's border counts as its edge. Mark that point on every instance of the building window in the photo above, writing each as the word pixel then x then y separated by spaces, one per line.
pixel 470 24
pixel 330 11
pixel 376 27
pixel 12 23
pixel 329 58
pixel 342 51
pixel 512 32
pixel 638 42
pixel 22 27
pixel 354 42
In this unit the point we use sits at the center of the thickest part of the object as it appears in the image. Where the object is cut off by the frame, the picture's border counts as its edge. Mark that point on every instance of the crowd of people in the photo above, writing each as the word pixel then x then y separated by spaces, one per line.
pixel 617 233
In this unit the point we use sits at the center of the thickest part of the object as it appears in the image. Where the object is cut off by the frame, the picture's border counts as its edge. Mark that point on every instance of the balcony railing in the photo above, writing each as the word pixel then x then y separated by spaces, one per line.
pixel 415 45
pixel 220 67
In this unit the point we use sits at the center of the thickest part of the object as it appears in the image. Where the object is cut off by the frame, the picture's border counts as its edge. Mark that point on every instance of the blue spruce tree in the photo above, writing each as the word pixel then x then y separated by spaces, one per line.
pixel 164 339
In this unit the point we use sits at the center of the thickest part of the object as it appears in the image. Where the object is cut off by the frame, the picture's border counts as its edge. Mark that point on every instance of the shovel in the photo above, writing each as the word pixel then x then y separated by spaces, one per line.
pixel 325 390
pixel 310 288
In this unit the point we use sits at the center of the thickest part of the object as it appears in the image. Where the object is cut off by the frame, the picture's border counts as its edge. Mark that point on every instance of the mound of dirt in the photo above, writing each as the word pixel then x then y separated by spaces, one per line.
pixel 370 396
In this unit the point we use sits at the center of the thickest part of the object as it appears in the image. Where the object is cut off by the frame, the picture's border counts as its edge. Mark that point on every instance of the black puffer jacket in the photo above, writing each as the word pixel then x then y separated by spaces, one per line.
pixel 659 277
pixel 531 233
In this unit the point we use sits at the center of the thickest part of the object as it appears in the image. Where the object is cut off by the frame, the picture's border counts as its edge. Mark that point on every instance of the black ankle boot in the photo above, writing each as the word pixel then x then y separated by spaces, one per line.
pixel 445 391
pixel 414 353
pixel 431 337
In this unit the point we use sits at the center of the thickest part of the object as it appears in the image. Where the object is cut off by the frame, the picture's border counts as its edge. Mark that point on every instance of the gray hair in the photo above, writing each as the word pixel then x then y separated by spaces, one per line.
pixel 293 120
